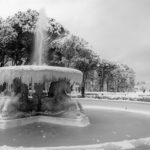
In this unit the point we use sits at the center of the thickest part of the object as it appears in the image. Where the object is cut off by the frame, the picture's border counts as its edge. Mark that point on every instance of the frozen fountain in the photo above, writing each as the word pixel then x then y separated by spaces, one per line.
pixel 39 92
pixel 36 110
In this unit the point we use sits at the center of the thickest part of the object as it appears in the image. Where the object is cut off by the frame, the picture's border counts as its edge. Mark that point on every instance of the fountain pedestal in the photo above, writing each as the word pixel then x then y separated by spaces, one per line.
pixel 55 106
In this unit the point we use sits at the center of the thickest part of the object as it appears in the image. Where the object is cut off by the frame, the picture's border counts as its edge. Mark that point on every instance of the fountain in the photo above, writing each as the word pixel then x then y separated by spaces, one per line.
pixel 36 110
pixel 39 93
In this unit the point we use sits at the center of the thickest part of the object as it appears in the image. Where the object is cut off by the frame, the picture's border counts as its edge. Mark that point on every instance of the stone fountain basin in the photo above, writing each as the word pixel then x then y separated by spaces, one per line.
pixel 38 74
pixel 80 121
pixel 125 108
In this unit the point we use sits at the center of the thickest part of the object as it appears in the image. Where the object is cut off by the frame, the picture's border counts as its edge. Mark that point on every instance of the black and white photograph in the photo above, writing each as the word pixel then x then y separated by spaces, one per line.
pixel 74 74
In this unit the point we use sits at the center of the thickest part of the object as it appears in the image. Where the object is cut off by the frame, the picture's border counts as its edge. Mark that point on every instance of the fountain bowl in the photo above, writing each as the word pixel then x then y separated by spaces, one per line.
pixel 39 73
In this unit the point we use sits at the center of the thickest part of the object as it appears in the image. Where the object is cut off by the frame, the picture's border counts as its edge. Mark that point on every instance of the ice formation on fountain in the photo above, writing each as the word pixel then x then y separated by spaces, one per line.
pixel 40 88
pixel 40 45
pixel 38 74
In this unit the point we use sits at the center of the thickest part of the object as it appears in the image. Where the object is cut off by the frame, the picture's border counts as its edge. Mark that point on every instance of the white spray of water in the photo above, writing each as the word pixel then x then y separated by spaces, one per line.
pixel 40 38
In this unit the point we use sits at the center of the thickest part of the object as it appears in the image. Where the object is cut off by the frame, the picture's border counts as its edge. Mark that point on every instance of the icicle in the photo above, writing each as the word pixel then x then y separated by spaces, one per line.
pixel 38 74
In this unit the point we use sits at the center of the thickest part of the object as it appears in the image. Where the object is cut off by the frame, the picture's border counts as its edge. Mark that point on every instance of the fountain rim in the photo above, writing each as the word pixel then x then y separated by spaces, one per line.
pixel 39 68
pixel 26 72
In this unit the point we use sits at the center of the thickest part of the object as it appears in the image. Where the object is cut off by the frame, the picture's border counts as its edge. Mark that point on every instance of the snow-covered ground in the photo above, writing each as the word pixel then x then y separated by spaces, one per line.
pixel 139 96
pixel 135 144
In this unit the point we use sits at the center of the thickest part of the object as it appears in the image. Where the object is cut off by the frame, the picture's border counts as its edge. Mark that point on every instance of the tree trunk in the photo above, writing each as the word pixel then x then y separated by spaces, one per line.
pixel 2 61
pixel 101 87
pixel 83 86
pixel 108 86
pixel 105 85
pixel 102 82
pixel 83 91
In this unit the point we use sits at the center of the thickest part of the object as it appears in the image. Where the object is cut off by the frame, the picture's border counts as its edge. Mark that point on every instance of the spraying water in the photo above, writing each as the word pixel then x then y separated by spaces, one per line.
pixel 40 38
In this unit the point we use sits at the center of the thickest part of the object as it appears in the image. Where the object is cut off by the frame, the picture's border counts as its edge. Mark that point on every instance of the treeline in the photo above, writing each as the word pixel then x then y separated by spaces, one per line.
pixel 17 42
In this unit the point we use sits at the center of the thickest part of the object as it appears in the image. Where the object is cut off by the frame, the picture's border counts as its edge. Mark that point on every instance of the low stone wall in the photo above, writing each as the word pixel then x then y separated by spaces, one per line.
pixel 11 123
pixel 81 121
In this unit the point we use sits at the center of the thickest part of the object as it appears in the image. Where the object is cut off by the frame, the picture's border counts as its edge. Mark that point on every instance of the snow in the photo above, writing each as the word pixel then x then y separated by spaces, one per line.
pixel 120 145
pixel 118 95
pixel 38 74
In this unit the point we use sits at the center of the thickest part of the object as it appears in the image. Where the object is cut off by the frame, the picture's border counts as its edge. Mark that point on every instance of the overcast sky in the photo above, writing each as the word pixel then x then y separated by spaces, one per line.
pixel 118 30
